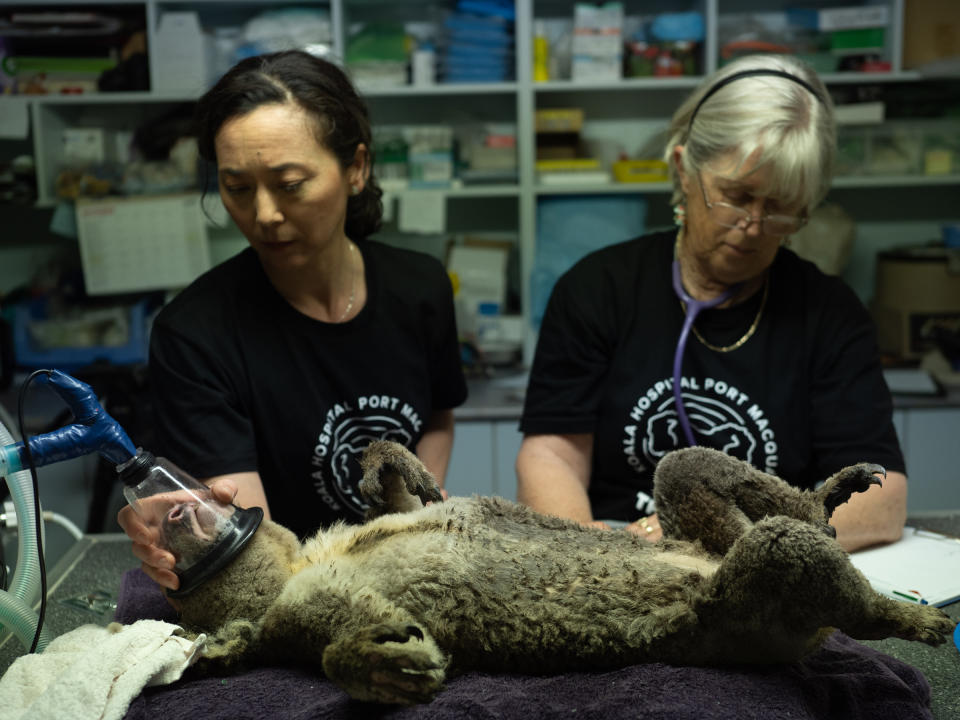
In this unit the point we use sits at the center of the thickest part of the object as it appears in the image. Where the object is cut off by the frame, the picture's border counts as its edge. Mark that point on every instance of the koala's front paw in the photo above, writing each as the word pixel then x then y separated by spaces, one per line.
pixel 394 479
pixel 927 624
pixel 853 479
pixel 398 665
pixel 225 650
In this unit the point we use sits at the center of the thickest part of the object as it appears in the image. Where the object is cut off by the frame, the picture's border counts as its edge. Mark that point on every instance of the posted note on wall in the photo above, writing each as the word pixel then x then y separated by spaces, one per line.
pixel 14 118
pixel 423 211
pixel 142 243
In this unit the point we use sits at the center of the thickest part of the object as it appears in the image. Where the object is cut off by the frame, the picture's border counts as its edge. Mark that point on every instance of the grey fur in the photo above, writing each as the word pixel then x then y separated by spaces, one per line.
pixel 749 573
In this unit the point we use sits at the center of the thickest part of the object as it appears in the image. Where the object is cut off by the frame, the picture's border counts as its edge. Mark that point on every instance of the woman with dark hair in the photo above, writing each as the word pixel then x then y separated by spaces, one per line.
pixel 274 370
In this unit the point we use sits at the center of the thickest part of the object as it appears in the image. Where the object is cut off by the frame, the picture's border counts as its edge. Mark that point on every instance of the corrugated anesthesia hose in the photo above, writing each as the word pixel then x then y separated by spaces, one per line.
pixel 16 604
pixel 93 431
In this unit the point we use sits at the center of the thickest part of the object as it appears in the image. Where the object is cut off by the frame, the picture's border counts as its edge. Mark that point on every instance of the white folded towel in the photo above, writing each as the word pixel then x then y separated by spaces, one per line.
pixel 94 672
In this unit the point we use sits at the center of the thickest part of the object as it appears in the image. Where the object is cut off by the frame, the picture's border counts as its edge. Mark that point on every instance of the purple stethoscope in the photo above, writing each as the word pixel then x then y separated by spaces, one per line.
pixel 693 308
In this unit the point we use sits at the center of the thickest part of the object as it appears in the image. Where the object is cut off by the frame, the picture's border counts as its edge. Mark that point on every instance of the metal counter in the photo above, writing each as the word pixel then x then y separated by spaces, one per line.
pixel 93 564
pixel 501 398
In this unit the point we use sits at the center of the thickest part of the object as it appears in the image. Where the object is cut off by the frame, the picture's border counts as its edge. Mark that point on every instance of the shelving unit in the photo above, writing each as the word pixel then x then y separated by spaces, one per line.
pixel 642 104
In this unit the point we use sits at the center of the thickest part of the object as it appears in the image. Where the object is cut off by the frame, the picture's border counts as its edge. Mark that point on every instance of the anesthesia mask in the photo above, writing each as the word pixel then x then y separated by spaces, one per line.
pixel 203 534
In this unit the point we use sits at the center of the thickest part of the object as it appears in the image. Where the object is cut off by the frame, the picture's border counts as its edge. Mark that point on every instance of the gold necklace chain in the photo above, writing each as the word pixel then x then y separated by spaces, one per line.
pixel 353 286
pixel 746 336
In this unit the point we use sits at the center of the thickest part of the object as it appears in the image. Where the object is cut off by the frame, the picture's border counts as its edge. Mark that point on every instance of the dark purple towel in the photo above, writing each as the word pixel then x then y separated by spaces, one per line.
pixel 844 679
pixel 141 598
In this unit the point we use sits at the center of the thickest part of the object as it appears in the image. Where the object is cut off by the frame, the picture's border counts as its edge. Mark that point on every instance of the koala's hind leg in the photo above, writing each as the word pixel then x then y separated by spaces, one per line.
pixel 784 582
pixel 706 495
pixel 394 480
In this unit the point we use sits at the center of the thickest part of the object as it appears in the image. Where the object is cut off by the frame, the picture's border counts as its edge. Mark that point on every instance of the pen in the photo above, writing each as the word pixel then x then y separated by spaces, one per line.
pixel 897 593
pixel 920 532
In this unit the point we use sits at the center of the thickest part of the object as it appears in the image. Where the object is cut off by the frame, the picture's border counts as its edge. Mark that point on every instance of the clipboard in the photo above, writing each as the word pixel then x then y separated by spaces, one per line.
pixel 915 382
pixel 922 567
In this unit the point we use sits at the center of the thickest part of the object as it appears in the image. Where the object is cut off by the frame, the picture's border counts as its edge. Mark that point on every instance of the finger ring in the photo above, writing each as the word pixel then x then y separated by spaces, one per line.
pixel 645 526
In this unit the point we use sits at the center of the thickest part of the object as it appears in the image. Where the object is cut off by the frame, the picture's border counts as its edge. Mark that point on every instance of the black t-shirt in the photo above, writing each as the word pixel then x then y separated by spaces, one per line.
pixel 245 382
pixel 803 397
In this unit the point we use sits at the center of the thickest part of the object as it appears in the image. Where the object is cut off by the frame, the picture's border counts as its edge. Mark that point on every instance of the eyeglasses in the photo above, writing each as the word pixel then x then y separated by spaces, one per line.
pixel 732 216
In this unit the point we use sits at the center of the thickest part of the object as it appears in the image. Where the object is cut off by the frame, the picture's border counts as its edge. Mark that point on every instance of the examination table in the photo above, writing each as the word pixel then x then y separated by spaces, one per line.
pixel 844 679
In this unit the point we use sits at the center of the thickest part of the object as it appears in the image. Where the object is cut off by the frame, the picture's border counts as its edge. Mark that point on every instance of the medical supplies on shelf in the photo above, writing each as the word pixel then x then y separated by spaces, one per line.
pixel 904 147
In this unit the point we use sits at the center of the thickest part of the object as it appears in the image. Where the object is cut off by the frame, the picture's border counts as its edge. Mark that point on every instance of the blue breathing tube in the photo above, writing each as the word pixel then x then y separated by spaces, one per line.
pixel 693 309
pixel 94 430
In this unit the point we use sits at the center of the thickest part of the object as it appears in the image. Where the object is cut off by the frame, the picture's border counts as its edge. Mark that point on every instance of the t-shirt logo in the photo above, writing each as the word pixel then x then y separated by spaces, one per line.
pixel 720 415
pixel 347 430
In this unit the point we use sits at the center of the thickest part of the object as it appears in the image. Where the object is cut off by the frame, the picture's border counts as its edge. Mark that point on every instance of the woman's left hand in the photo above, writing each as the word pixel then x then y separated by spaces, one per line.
pixel 647 527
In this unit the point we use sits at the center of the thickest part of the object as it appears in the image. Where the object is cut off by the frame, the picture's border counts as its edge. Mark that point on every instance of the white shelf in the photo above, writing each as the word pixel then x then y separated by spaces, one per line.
pixel 439 89
pixel 493 190
pixel 464 191
pixel 687 82
pixel 622 112
pixel 405 91
pixel 612 188
pixel 843 181
pixel 107 98
pixel 871 181
pixel 868 78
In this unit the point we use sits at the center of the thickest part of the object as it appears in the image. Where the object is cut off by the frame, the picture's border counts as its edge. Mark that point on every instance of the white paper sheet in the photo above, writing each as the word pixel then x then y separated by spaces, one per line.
pixel 14 118
pixel 422 211
pixel 921 567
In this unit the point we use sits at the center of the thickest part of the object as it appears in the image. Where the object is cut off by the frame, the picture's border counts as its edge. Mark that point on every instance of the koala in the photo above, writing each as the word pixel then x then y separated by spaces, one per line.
pixel 748 571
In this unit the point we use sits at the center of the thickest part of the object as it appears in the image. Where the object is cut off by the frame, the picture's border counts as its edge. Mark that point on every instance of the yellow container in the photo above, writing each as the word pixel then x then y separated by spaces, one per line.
pixel 558 120
pixel 640 171
pixel 567 164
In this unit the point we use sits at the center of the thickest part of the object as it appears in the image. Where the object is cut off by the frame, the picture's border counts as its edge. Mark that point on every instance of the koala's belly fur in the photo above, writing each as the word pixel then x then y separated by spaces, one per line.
pixel 467 571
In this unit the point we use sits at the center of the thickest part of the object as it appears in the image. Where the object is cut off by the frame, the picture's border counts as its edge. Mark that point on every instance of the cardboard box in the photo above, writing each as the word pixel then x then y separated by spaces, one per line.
pixel 916 290
pixel 931 31
pixel 852 18
pixel 597 47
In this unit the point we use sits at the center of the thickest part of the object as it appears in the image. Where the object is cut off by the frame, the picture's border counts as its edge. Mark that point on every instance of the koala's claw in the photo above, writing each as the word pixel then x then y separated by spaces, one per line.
pixel 390 635
pixel 854 479
pixel 391 475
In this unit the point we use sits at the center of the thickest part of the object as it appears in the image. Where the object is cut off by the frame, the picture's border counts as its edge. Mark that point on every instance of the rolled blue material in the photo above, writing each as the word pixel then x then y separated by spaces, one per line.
pixel 94 430
pixel 677 27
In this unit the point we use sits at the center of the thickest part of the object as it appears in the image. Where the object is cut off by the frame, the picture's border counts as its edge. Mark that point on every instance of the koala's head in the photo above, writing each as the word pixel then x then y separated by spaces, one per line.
pixel 190 529
pixel 247 586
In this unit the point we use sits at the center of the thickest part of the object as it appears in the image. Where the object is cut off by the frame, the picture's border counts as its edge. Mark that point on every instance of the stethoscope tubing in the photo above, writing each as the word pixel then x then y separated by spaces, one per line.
pixel 693 308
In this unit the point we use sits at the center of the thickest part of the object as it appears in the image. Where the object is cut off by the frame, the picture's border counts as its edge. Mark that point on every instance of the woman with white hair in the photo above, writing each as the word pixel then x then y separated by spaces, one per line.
pixel 715 333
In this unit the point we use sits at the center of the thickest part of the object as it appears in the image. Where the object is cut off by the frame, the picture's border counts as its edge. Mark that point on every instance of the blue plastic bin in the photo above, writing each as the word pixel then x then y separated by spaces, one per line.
pixel 28 356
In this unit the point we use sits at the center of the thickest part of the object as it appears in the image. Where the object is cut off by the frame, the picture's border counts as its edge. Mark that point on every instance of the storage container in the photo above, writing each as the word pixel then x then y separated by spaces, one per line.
pixel 30 353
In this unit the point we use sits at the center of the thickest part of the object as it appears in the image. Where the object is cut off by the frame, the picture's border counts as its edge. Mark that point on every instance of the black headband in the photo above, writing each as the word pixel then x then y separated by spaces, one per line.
pixel 750 73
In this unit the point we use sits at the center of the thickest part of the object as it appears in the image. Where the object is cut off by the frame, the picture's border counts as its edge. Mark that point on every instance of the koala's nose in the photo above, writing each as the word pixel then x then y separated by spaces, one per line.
pixel 177 513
